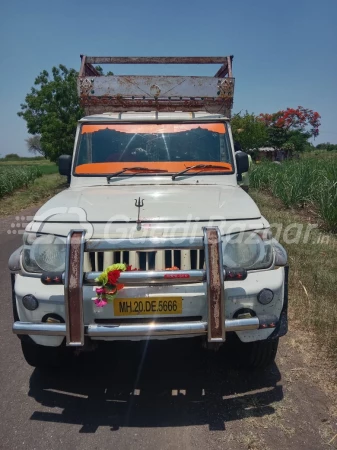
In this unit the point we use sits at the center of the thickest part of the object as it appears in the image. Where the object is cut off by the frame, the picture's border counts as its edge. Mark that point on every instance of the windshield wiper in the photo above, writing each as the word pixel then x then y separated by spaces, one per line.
pixel 136 169
pixel 198 166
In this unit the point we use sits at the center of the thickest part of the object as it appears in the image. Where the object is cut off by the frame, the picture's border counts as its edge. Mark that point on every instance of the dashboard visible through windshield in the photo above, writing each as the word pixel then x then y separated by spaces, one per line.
pixel 107 148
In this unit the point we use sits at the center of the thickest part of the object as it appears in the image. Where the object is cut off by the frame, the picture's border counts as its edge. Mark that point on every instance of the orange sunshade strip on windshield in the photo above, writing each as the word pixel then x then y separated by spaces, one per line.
pixel 107 168
pixel 148 128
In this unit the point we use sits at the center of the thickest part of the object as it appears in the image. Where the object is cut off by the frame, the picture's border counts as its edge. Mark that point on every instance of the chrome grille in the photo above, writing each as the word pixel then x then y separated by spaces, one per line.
pixel 145 260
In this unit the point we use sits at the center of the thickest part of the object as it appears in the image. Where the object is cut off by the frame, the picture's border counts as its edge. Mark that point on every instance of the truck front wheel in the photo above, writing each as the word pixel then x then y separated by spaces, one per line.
pixel 255 355
pixel 45 357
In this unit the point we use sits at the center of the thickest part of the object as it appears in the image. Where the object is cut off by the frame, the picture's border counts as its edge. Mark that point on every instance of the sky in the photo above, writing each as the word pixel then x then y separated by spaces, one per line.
pixel 285 52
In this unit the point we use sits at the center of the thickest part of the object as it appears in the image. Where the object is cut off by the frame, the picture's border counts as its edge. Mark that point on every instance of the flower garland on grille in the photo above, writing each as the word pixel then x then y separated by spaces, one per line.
pixel 108 284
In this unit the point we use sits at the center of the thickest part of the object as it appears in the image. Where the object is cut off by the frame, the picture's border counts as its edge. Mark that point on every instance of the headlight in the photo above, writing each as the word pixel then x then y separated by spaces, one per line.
pixel 43 253
pixel 281 256
pixel 248 250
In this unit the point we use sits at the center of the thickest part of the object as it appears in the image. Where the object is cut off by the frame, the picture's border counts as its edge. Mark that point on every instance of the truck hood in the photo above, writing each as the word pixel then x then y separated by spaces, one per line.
pixel 157 204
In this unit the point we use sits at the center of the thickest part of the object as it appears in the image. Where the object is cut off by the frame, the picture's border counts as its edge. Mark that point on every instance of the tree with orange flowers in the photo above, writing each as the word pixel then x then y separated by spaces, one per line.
pixel 288 129
pixel 291 128
pixel 300 119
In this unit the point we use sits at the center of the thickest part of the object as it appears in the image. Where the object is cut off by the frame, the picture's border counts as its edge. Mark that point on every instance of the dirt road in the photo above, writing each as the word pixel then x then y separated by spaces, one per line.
pixel 171 396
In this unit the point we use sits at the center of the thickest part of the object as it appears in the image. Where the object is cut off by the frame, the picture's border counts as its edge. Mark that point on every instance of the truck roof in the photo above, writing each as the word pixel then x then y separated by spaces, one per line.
pixel 153 116
pixel 122 93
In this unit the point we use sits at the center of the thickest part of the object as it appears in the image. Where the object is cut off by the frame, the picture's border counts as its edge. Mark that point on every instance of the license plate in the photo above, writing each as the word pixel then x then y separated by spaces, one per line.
pixel 148 306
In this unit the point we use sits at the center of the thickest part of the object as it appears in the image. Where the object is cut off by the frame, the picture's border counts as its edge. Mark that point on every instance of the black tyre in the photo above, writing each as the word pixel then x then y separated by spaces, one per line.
pixel 255 355
pixel 45 357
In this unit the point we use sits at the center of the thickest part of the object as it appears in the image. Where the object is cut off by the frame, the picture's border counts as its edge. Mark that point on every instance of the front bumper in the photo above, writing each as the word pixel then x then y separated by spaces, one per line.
pixel 145 330
pixel 211 307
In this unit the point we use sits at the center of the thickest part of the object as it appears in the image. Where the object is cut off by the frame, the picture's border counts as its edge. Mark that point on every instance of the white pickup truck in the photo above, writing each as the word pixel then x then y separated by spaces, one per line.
pixel 154 238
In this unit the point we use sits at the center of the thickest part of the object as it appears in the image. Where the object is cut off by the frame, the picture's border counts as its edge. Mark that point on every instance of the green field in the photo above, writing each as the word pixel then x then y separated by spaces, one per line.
pixel 309 183
pixel 16 175
pixel 25 162
pixel 47 169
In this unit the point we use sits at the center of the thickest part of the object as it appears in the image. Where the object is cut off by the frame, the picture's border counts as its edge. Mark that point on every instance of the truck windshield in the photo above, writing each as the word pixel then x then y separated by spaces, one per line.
pixel 108 148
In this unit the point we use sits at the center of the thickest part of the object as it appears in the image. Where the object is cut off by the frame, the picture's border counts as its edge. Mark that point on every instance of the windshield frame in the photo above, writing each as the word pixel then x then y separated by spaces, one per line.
pixel 151 122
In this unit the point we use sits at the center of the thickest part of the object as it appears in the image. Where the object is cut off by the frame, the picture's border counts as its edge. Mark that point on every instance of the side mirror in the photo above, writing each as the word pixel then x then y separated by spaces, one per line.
pixel 65 165
pixel 242 163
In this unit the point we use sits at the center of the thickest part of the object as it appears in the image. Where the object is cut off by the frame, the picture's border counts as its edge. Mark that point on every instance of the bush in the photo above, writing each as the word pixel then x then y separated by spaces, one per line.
pixel 12 156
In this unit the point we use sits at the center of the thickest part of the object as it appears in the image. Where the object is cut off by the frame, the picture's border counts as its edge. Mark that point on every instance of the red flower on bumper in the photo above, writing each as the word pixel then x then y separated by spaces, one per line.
pixel 113 276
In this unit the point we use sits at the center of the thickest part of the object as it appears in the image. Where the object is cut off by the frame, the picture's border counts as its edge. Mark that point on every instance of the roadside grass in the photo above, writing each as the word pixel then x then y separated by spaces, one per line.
pixel 39 191
pixel 312 275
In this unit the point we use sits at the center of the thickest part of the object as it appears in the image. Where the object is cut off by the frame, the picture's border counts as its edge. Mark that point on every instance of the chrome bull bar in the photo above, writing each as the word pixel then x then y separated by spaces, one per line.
pixel 141 330
pixel 73 279
pixel 146 329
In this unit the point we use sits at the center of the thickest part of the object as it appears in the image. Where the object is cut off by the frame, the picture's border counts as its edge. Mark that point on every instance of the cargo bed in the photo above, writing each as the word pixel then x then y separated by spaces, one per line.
pixel 119 93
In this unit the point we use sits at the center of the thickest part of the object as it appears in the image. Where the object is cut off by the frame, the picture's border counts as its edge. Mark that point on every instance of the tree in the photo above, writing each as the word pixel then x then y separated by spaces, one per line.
pixel 101 71
pixel 34 144
pixel 298 140
pixel 326 146
pixel 52 110
pixel 249 131
pixel 291 127
pixel 294 119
